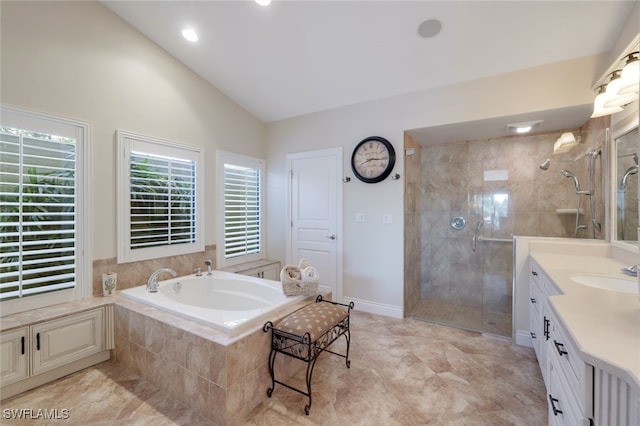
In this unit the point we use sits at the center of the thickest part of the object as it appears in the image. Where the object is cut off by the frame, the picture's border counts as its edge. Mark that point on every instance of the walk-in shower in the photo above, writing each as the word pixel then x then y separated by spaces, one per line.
pixel 463 275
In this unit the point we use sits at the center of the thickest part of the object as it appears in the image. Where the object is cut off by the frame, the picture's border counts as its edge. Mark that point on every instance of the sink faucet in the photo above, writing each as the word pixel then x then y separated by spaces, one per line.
pixel 208 263
pixel 152 282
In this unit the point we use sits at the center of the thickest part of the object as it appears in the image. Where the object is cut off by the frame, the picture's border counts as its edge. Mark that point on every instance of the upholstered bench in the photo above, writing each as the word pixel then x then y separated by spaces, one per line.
pixel 305 334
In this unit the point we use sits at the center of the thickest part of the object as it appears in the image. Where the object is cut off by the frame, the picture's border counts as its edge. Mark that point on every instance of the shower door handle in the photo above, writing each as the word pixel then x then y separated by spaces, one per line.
pixel 474 241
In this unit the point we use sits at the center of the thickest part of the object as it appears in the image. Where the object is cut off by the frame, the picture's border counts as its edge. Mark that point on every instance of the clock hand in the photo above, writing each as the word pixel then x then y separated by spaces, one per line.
pixel 371 159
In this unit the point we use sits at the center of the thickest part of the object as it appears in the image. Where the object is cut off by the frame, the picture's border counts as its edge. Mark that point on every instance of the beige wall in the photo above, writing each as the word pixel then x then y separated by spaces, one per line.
pixel 80 60
pixel 374 269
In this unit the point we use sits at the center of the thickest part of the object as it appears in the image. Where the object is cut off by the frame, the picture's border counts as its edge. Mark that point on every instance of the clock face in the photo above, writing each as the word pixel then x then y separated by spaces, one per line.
pixel 373 159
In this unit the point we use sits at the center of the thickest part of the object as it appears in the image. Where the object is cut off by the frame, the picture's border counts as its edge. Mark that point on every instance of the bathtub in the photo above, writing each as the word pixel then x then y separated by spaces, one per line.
pixel 223 300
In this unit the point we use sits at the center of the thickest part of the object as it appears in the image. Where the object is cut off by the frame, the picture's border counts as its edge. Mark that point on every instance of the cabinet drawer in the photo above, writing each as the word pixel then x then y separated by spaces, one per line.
pixel 60 342
pixel 579 376
pixel 563 407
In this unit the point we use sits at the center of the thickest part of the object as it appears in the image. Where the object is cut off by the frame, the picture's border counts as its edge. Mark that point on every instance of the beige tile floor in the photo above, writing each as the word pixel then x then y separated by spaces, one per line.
pixel 467 317
pixel 403 372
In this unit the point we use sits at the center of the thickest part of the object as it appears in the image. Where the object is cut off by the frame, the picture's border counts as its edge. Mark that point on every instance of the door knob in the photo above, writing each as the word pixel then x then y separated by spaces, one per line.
pixel 331 237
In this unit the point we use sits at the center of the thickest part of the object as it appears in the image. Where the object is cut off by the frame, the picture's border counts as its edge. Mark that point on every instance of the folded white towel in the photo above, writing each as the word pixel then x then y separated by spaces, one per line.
pixel 303 263
pixel 290 274
pixel 310 275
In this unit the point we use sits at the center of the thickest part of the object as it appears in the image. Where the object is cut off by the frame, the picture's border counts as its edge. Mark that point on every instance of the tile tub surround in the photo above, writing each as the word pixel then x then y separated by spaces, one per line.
pixel 403 372
pixel 221 376
pixel 137 273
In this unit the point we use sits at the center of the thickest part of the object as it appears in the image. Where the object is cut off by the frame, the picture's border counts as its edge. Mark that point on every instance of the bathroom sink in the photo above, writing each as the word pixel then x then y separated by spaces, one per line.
pixel 606 282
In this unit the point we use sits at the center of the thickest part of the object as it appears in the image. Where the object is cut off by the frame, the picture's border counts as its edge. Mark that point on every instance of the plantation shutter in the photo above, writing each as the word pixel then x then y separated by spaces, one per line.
pixel 162 200
pixel 37 213
pixel 242 227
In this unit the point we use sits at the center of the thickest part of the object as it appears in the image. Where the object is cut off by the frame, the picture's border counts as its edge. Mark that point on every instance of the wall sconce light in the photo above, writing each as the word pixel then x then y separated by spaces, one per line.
pixel 565 143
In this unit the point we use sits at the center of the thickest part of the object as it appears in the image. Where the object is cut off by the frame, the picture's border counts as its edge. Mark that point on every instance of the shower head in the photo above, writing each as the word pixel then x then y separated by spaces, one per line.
pixel 570 174
pixel 545 164
pixel 630 171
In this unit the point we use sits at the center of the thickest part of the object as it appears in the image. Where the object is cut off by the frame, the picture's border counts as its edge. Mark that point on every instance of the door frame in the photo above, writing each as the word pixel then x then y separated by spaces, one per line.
pixel 337 152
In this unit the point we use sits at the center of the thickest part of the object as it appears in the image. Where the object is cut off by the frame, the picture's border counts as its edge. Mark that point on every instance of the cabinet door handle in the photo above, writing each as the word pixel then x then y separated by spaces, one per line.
pixel 534 273
pixel 22 345
pixel 553 401
pixel 533 300
pixel 38 341
pixel 533 335
pixel 560 350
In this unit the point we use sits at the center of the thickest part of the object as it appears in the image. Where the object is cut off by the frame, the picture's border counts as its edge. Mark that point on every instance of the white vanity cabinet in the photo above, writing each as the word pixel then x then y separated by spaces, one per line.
pixel 541 287
pixel 14 355
pixel 39 353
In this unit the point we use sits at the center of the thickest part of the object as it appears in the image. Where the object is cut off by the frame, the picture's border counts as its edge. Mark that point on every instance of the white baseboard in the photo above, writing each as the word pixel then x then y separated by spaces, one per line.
pixel 376 308
pixel 523 338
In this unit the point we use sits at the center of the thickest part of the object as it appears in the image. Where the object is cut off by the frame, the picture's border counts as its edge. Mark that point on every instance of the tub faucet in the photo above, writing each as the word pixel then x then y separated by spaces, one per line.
pixel 152 282
pixel 208 263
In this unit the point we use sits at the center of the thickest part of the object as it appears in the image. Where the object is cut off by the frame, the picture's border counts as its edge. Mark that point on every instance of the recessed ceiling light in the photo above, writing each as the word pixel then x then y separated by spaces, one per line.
pixel 190 34
pixel 263 2
pixel 524 127
pixel 430 28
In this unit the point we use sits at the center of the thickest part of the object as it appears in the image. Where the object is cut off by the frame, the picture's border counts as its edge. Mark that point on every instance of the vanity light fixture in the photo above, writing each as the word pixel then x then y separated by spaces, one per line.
pixel 614 97
pixel 524 127
pixel 630 76
pixel 621 88
pixel 599 109
pixel 263 2
pixel 190 34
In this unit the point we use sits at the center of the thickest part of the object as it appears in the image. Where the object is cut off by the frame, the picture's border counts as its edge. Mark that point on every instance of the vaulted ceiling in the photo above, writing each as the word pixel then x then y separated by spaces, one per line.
pixel 297 57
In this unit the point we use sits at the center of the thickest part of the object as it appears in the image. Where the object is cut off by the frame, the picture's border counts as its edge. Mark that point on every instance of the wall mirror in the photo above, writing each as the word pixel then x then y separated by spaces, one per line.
pixel 627 186
pixel 624 182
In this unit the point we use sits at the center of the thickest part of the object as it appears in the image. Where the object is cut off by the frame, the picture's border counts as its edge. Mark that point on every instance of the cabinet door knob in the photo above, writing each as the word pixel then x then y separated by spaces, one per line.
pixel 331 237
pixel 533 335
pixel 533 300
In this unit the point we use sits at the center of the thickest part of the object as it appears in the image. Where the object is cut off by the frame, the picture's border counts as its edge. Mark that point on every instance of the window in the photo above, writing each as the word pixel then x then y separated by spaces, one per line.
pixel 160 198
pixel 43 214
pixel 240 235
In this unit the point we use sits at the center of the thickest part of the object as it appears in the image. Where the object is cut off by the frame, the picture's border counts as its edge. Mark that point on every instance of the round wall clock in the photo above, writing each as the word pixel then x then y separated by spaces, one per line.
pixel 373 159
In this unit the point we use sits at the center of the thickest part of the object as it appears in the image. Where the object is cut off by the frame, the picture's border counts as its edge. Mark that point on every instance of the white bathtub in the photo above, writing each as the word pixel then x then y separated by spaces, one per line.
pixel 223 300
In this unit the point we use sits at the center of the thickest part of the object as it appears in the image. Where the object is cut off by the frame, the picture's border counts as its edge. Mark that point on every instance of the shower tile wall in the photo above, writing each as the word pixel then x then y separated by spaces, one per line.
pixel 497 182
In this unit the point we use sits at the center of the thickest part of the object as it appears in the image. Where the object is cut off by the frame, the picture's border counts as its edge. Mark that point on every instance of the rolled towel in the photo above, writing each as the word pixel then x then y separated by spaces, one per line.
pixel 290 274
pixel 310 275
pixel 303 264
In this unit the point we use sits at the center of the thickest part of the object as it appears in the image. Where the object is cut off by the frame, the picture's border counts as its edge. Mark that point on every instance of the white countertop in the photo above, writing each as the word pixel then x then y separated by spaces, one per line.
pixel 604 325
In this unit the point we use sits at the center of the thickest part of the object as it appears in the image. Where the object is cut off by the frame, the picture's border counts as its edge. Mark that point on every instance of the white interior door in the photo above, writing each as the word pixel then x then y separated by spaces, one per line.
pixel 315 203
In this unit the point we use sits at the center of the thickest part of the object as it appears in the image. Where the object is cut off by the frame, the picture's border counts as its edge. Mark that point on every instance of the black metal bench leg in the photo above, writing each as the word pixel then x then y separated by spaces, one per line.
pixel 272 358
pixel 310 367
pixel 347 335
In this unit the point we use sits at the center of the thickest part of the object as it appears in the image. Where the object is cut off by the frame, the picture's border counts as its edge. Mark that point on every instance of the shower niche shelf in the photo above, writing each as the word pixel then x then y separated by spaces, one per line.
pixel 569 211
